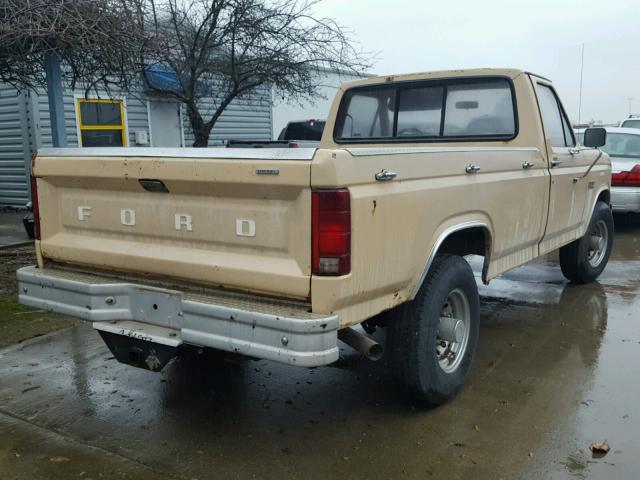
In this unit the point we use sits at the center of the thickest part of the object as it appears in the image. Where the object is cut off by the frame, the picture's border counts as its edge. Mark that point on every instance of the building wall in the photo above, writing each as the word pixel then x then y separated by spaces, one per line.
pixel 136 115
pixel 247 118
pixel 15 150
pixel 285 111
pixel 25 127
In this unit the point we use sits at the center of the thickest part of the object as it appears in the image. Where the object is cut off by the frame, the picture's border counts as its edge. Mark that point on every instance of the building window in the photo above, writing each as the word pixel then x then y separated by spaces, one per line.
pixel 101 123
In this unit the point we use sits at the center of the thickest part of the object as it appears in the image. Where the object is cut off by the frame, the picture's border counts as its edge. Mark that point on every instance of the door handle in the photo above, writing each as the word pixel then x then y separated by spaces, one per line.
pixel 527 165
pixel 385 175
pixel 471 168
pixel 555 162
pixel 574 150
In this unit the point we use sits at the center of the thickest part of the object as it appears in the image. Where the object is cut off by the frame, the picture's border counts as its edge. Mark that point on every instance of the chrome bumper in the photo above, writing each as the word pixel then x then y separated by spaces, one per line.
pixel 625 199
pixel 272 329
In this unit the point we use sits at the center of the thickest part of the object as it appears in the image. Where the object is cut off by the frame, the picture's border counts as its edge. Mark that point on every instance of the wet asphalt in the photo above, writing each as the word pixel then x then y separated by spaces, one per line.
pixel 558 367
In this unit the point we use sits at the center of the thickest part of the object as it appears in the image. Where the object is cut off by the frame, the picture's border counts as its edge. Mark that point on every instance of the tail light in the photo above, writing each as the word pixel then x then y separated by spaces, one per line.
pixel 629 178
pixel 35 207
pixel 293 145
pixel 331 232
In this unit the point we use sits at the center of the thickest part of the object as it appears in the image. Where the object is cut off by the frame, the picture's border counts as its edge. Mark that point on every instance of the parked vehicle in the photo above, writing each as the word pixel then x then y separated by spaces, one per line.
pixel 632 122
pixel 308 130
pixel 277 253
pixel 623 147
pixel 298 134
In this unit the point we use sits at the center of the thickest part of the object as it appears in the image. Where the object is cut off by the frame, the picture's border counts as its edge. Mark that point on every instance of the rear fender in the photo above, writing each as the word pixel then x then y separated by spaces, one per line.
pixel 445 231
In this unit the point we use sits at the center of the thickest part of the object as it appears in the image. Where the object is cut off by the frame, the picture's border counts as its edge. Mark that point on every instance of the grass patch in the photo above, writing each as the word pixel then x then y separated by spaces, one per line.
pixel 19 323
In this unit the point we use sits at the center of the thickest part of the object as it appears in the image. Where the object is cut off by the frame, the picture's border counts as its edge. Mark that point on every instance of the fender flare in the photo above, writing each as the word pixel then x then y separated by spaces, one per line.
pixel 604 188
pixel 438 243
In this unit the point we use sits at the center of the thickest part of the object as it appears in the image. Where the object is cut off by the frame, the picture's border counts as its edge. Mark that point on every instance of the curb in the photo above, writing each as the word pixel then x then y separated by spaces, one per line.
pixel 17 244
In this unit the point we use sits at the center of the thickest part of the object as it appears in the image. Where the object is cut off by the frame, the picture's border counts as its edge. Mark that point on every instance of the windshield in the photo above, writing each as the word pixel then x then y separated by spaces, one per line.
pixel 622 145
pixel 631 124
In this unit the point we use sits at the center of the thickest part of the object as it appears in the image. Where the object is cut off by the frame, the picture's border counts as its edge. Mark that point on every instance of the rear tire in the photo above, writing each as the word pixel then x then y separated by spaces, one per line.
pixel 583 260
pixel 432 369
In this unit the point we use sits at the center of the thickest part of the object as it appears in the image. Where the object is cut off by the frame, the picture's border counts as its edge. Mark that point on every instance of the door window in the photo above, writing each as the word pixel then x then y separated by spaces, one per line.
pixel 556 126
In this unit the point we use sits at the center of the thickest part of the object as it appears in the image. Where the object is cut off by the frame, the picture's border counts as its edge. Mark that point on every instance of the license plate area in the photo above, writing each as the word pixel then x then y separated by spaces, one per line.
pixel 157 307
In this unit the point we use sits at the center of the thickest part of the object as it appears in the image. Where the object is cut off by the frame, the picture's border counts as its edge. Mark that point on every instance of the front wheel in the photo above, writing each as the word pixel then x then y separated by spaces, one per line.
pixel 434 338
pixel 583 260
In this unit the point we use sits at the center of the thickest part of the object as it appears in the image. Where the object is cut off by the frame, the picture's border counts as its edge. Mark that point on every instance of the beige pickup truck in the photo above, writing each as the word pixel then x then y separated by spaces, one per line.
pixel 277 253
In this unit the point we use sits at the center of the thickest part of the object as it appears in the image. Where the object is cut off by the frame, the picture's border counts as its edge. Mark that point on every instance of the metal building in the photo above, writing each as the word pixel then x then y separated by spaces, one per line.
pixel 135 119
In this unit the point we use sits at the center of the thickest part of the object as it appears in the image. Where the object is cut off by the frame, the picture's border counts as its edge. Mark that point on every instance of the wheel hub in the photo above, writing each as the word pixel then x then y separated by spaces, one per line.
pixel 453 331
pixel 598 241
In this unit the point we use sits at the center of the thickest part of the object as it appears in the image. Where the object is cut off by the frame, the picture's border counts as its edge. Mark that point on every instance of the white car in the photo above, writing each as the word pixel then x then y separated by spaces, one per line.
pixel 623 146
pixel 632 122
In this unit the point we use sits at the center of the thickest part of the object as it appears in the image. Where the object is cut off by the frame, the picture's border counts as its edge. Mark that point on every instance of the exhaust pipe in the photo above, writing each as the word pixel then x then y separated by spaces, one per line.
pixel 363 344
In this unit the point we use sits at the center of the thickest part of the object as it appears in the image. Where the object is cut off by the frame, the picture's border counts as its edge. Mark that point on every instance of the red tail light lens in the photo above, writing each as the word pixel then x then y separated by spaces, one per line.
pixel 633 179
pixel 35 207
pixel 331 232
pixel 293 145
pixel 617 179
pixel 627 179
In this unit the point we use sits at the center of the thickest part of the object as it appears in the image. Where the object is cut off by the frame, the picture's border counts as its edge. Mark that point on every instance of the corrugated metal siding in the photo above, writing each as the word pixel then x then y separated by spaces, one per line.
pixel 40 118
pixel 25 127
pixel 136 112
pixel 137 116
pixel 15 153
pixel 248 118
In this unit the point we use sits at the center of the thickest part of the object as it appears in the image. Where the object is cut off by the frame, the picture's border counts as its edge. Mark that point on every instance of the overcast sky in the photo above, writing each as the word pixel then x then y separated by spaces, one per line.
pixel 542 36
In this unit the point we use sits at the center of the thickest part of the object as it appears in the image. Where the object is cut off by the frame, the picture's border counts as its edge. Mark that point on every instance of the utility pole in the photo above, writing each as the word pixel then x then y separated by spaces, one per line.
pixel 56 103
pixel 581 74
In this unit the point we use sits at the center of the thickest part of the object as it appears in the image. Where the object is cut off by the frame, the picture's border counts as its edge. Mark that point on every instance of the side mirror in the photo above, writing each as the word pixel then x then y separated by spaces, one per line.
pixel 595 137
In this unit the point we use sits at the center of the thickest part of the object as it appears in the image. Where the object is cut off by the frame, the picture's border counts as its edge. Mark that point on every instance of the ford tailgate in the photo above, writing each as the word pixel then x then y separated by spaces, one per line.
pixel 233 218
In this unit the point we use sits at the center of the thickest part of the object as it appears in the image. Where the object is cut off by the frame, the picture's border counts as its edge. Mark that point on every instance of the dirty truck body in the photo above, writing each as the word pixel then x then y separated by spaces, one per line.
pixel 269 253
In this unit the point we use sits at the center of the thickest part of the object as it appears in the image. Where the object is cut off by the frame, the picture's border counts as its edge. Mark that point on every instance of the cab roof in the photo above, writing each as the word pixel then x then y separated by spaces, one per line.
pixel 471 72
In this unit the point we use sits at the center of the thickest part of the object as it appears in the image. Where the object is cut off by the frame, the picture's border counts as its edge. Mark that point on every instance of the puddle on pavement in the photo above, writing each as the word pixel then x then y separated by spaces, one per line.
pixel 557 368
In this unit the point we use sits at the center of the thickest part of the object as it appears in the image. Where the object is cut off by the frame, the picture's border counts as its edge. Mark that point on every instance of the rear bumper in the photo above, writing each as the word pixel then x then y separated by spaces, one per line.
pixel 258 327
pixel 625 199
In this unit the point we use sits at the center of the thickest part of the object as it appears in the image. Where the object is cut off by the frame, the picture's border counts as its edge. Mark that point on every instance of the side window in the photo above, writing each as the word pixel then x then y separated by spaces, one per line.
pixel 568 135
pixel 420 111
pixel 556 127
pixel 368 114
pixel 482 108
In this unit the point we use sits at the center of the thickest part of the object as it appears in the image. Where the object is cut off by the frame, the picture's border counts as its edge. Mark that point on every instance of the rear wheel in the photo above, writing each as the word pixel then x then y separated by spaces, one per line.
pixel 435 336
pixel 583 260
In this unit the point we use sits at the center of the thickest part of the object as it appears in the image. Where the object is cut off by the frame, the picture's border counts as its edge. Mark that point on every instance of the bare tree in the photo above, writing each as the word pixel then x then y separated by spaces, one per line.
pixel 219 50
pixel 226 49
pixel 98 41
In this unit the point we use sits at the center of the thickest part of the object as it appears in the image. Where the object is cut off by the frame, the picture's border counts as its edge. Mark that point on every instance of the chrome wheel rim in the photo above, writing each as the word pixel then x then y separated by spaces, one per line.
pixel 454 328
pixel 598 241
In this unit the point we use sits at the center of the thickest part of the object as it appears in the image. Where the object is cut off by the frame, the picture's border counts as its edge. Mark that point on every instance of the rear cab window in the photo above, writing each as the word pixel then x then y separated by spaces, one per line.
pixel 463 109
